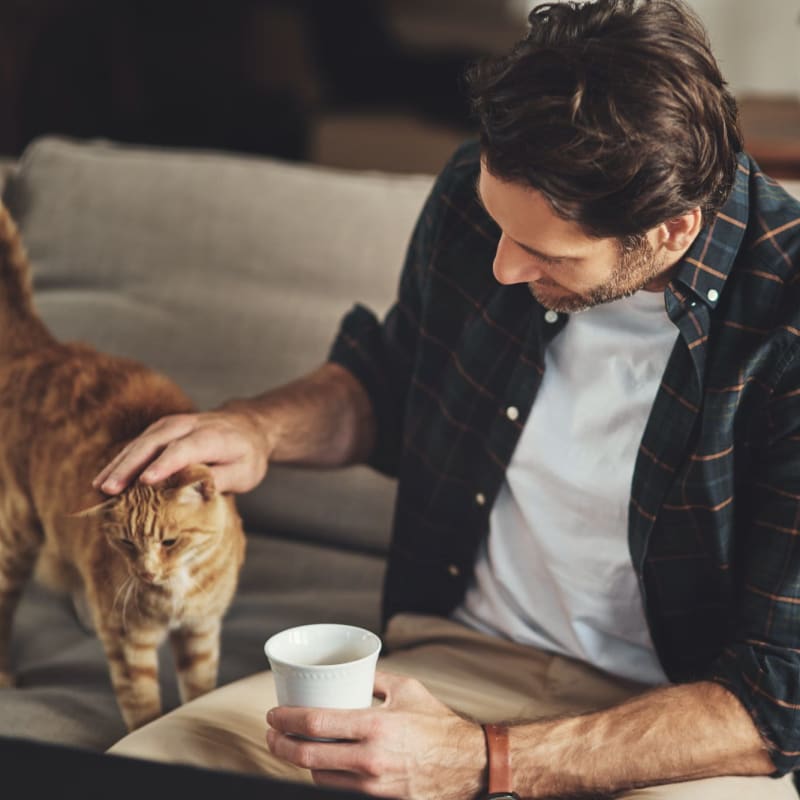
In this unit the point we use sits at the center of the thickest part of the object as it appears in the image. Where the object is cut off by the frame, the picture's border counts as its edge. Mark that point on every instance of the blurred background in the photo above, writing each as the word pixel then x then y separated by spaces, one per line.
pixel 365 84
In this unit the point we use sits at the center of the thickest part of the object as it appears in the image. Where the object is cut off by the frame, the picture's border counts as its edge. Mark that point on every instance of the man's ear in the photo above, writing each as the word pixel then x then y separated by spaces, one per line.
pixel 194 484
pixel 678 233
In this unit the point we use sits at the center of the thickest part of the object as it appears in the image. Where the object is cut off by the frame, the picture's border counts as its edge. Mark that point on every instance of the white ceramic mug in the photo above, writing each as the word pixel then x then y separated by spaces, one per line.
pixel 324 665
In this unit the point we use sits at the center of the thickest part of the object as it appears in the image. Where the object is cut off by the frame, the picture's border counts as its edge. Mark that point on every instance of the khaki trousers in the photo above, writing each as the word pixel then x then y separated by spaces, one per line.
pixel 481 676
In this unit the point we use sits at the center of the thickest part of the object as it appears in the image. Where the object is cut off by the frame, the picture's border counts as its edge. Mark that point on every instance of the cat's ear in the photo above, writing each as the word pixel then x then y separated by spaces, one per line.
pixel 193 484
pixel 95 510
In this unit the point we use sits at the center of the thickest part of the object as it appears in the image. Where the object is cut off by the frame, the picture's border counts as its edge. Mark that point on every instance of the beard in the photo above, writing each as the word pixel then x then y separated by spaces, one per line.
pixel 636 267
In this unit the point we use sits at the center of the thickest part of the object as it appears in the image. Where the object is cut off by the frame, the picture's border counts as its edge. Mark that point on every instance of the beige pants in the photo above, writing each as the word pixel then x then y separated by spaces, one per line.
pixel 477 675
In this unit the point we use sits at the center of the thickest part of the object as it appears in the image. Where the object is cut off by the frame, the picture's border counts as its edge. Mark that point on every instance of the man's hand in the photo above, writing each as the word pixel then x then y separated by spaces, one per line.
pixel 324 419
pixel 411 746
pixel 229 441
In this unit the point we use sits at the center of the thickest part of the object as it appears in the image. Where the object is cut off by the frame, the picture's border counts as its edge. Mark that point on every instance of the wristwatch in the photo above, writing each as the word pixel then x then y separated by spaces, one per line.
pixel 499 762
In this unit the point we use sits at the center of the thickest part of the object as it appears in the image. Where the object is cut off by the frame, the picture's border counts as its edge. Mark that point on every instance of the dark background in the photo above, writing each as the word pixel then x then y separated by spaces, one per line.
pixel 350 83
pixel 318 80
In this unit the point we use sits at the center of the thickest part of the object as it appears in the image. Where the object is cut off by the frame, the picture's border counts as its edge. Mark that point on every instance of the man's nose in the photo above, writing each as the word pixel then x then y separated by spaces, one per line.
pixel 513 265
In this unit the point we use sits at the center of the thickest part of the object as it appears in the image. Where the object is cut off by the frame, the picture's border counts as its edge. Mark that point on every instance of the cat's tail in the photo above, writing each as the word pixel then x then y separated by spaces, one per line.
pixel 21 328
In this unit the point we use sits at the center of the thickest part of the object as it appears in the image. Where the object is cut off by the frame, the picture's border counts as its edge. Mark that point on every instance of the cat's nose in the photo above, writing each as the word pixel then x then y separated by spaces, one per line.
pixel 147 576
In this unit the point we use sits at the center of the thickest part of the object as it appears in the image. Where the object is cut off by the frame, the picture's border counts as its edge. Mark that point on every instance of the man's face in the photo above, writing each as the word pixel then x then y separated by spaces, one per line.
pixel 565 269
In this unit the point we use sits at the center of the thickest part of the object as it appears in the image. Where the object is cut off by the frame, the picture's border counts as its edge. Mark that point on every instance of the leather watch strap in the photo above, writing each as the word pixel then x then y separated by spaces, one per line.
pixel 499 762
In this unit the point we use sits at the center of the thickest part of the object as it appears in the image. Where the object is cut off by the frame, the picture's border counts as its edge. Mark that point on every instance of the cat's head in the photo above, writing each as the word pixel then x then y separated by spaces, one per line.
pixel 162 528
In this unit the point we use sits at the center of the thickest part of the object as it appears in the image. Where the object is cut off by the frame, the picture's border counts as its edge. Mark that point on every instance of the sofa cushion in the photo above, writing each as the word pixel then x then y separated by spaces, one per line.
pixel 229 274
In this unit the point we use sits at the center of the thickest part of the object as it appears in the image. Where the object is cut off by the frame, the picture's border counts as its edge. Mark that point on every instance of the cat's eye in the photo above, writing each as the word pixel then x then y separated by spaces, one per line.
pixel 128 544
pixel 168 542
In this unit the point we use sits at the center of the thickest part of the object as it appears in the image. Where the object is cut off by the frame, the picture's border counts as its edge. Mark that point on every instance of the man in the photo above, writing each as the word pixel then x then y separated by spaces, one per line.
pixel 588 389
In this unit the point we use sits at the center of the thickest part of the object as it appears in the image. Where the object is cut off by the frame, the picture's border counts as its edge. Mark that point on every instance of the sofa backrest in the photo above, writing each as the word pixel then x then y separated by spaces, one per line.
pixel 227 273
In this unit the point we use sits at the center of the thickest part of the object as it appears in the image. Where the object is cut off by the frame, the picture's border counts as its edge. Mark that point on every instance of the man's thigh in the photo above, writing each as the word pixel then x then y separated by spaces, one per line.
pixel 475 675
pixel 720 789
pixel 224 729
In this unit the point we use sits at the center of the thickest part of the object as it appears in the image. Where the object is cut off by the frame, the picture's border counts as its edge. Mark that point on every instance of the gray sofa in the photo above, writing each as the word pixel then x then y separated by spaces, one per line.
pixel 229 274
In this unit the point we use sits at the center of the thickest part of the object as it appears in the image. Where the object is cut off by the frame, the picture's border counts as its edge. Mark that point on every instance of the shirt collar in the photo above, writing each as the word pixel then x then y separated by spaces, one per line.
pixel 705 267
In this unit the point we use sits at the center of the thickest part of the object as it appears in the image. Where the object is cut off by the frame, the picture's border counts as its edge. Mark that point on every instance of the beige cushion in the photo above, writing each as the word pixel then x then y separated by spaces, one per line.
pixel 228 273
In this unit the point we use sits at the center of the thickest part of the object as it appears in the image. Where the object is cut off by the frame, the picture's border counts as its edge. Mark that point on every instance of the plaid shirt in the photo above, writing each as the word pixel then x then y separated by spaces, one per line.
pixel 714 515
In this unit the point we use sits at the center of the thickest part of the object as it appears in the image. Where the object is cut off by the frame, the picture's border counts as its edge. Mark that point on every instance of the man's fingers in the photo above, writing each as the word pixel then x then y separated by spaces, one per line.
pixel 140 452
pixel 337 780
pixel 175 456
pixel 233 477
pixel 322 756
pixel 122 469
pixel 386 683
pixel 396 689
pixel 321 723
pixel 102 476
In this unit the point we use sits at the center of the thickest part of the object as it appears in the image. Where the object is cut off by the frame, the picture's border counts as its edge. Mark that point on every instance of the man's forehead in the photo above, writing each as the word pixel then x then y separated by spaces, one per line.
pixel 523 212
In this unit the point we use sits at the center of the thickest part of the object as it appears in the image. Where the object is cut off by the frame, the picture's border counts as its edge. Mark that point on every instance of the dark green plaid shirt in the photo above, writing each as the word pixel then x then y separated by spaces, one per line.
pixel 714 516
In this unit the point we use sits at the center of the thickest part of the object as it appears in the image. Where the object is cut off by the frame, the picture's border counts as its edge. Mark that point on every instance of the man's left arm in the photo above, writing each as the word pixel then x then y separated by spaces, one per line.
pixel 412 746
pixel 739 718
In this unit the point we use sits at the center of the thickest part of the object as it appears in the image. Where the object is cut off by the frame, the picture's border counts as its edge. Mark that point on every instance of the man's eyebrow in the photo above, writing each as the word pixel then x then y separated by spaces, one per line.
pixel 537 253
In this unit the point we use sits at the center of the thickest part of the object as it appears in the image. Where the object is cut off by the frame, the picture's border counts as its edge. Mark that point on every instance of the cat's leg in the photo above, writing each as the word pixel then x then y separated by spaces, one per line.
pixel 18 554
pixel 133 663
pixel 80 605
pixel 196 651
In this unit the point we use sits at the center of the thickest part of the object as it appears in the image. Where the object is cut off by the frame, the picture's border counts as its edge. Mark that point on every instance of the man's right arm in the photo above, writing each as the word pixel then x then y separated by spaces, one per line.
pixel 350 410
pixel 324 419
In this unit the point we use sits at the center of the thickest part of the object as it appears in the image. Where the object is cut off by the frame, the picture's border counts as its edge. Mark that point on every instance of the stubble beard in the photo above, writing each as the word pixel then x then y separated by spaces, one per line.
pixel 637 266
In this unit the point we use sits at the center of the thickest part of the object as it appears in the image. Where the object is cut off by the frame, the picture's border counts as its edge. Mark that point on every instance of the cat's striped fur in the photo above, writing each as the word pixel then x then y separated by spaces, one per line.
pixel 152 562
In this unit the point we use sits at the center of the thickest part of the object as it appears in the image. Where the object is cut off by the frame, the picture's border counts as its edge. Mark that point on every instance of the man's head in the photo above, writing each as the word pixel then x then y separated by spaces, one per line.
pixel 616 114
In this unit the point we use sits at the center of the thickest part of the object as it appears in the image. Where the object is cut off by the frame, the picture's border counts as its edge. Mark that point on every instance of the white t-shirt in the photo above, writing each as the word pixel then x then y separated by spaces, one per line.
pixel 555 571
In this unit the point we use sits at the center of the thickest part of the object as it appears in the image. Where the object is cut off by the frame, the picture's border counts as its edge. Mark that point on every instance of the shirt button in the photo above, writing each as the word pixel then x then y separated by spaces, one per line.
pixel 480 499
pixel 512 412
pixel 551 316
pixel 713 295
pixel 454 570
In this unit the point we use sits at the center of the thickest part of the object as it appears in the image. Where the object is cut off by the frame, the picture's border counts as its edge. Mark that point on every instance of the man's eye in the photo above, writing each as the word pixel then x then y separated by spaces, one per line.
pixel 168 542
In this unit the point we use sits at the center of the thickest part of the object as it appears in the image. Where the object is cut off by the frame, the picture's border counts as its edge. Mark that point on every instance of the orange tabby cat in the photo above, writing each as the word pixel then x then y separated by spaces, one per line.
pixel 154 561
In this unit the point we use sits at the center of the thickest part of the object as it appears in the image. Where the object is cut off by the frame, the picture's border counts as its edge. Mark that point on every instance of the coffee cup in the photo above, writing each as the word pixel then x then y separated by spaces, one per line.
pixel 324 665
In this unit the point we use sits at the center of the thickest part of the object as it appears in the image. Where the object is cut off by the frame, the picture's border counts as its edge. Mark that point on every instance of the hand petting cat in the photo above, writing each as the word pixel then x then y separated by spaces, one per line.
pixel 228 441
pixel 324 419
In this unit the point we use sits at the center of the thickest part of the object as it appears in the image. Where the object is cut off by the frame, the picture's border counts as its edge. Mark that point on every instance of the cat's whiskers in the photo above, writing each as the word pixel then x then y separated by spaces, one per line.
pixel 119 592
pixel 131 586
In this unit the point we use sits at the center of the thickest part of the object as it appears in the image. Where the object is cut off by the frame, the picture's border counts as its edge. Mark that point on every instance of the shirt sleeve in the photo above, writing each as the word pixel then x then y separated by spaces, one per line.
pixel 761 666
pixel 382 354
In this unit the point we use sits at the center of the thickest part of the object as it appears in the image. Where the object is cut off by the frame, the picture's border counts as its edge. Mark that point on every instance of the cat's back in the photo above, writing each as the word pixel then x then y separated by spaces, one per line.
pixel 66 407
pixel 72 384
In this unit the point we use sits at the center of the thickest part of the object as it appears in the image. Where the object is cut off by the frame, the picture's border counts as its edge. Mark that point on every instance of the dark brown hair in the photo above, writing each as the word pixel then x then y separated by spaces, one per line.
pixel 615 110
